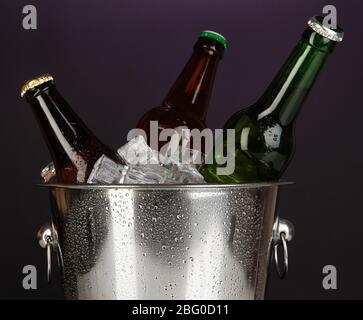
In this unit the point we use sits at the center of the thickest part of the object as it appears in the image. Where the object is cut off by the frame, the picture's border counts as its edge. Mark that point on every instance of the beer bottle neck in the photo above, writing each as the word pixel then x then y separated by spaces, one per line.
pixel 62 129
pixel 192 90
pixel 287 92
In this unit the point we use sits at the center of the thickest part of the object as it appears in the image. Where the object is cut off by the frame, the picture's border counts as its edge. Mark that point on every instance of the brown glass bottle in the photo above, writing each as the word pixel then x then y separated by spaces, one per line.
pixel 186 104
pixel 73 147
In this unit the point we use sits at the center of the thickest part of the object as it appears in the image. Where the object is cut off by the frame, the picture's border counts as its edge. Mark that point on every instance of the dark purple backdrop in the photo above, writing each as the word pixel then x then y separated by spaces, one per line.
pixel 115 59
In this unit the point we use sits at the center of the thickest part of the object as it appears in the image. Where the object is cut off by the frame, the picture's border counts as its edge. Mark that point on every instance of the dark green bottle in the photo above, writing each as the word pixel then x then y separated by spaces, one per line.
pixel 264 138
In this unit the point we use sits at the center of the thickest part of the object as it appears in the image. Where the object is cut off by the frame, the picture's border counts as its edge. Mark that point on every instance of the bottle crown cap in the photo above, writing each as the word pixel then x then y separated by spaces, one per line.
pixel 213 35
pixel 33 83
pixel 317 24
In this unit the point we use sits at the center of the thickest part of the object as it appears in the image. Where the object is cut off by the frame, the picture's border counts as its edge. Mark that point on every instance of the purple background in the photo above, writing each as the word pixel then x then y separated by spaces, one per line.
pixel 113 60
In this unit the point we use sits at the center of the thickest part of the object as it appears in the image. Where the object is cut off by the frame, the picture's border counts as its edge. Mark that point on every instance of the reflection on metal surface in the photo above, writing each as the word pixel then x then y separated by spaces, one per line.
pixel 196 242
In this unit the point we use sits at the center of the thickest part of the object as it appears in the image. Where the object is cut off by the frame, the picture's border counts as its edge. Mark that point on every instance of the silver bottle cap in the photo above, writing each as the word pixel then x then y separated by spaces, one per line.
pixel 316 23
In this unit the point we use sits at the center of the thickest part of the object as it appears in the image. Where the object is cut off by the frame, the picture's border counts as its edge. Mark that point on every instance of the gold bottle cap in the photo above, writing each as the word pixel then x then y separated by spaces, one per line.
pixel 33 83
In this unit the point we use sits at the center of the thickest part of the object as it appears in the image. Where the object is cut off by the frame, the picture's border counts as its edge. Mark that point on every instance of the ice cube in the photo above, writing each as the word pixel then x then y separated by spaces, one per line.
pixel 48 173
pixel 106 171
pixel 137 152
pixel 147 174
pixel 185 174
pixel 192 157
pixel 178 150
pixel 181 155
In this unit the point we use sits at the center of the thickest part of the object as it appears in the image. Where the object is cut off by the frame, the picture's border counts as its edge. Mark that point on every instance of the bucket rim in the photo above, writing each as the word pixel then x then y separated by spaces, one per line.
pixel 165 186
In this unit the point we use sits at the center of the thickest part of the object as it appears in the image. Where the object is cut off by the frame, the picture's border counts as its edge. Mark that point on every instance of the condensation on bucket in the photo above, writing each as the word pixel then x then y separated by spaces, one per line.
pixel 121 243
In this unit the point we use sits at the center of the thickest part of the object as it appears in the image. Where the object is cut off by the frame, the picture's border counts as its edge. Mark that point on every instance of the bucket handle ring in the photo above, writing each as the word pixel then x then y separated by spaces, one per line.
pixel 48 239
pixel 283 233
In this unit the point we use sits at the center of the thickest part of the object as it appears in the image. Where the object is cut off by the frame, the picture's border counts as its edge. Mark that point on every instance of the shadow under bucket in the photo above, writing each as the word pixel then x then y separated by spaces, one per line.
pixel 164 241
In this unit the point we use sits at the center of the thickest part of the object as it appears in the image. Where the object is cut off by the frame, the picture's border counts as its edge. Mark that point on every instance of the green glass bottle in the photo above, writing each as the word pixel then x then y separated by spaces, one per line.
pixel 264 138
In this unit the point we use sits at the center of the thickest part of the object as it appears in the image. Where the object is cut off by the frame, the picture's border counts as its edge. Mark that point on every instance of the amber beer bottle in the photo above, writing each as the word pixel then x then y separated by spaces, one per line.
pixel 73 147
pixel 186 104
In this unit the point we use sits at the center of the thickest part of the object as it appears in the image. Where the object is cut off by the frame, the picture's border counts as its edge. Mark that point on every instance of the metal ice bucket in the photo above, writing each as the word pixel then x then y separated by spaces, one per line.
pixel 165 241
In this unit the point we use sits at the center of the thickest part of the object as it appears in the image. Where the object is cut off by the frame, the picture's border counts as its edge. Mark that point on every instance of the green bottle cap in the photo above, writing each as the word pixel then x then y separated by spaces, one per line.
pixel 213 35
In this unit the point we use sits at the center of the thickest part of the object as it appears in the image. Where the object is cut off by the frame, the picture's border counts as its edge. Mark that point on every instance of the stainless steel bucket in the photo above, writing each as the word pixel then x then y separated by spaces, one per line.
pixel 164 241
